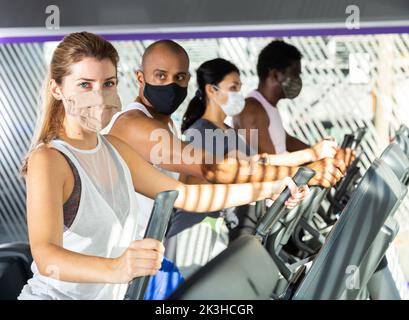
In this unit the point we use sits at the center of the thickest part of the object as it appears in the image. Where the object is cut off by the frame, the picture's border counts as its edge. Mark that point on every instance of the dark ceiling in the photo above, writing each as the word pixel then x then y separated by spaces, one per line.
pixel 23 13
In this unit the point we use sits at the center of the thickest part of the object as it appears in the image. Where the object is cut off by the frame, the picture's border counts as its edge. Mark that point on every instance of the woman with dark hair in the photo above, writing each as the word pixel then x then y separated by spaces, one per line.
pixel 218 96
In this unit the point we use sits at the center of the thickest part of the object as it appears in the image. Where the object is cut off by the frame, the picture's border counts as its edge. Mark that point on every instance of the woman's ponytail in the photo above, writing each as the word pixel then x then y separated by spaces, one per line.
pixel 194 111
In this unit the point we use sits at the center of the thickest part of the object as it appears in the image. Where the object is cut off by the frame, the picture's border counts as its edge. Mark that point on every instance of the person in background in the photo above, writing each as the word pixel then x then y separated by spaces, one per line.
pixel 279 73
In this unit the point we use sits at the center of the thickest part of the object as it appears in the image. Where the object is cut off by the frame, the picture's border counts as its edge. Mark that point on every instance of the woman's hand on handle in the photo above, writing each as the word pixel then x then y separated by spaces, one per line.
pixel 298 194
pixel 142 258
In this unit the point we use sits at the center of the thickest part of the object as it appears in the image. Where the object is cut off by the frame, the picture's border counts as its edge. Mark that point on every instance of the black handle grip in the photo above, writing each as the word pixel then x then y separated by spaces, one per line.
pixel 158 223
pixel 260 208
pixel 404 130
pixel 348 140
pixel 301 178
pixel 161 211
pixel 359 135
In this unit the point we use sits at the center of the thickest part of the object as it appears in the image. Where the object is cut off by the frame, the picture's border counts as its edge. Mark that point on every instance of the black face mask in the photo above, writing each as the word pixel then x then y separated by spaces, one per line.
pixel 165 98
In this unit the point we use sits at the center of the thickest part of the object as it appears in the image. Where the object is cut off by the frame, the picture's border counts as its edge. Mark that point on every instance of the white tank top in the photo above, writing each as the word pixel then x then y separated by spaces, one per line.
pixel 144 203
pixel 105 223
pixel 276 130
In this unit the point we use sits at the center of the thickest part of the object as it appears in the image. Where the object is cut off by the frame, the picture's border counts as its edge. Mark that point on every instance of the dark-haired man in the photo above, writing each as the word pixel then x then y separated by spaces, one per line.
pixel 279 73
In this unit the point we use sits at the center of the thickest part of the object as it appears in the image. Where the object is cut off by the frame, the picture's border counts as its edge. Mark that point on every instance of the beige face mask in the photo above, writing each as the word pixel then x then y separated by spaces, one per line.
pixel 93 109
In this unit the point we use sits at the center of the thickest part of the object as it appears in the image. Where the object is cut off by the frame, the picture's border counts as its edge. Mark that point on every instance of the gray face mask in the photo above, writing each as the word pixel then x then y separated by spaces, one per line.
pixel 291 87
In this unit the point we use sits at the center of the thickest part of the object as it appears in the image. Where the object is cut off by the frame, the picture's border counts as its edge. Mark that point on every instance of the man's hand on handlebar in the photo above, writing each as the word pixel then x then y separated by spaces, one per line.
pixel 347 155
pixel 328 172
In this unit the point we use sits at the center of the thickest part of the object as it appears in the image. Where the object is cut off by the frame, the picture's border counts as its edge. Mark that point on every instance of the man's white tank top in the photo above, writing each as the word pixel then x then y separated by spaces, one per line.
pixel 275 128
pixel 144 203
pixel 105 224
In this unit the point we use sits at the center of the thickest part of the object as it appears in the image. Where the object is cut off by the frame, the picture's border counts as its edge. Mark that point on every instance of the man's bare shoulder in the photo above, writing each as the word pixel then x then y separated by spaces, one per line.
pixel 253 115
pixel 137 119
pixel 253 106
